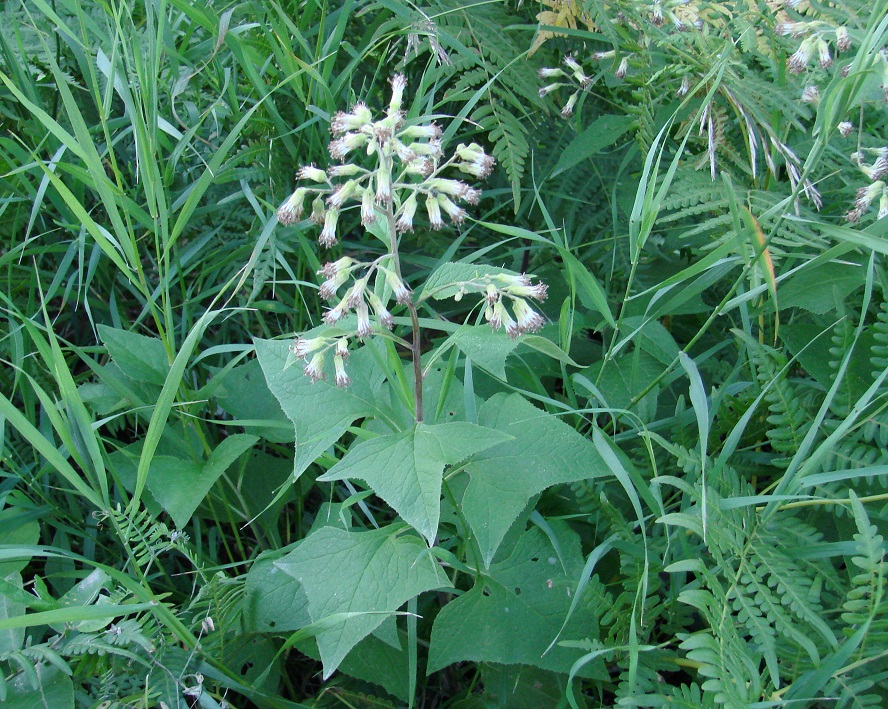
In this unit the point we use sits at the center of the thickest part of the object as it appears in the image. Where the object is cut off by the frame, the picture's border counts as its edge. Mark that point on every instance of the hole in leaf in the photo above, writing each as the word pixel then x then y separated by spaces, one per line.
pixel 486 592
pixel 517 591
pixel 246 667
pixel 535 558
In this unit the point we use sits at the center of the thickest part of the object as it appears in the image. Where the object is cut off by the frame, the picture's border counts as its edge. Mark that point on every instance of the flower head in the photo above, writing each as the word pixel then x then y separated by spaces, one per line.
pixel 405 215
pixel 342 379
pixel 290 211
pixel 528 319
pixel 315 368
pixel 328 235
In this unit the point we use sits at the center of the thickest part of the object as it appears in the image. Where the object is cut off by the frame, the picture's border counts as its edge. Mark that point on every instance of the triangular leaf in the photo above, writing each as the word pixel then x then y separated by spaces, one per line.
pixel 545 451
pixel 370 574
pixel 320 411
pixel 512 615
pixel 405 468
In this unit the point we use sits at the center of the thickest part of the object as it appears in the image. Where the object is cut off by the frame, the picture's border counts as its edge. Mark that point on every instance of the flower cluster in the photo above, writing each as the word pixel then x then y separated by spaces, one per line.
pixel 404 168
pixel 877 173
pixel 816 43
pixel 407 161
pixel 513 288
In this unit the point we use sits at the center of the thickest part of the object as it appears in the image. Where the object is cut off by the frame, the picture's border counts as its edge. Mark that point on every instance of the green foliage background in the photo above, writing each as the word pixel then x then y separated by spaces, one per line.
pixel 673 495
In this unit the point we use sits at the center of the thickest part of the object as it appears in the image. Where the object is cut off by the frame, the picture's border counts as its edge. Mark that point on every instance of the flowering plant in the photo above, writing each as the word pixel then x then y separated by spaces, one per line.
pixel 405 165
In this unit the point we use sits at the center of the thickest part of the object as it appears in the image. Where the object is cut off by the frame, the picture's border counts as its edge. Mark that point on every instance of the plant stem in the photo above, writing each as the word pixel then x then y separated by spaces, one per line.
pixel 415 346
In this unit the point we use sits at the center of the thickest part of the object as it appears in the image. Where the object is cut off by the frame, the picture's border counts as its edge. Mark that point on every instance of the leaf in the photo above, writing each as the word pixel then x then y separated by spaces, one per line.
pixel 624 377
pixel 320 412
pixel 515 611
pixel 548 348
pixel 180 485
pixel 140 358
pixel 486 348
pixel 370 574
pixel 592 295
pixel 405 468
pixel 274 602
pixel 603 133
pixel 54 691
pixel 545 451
pixel 11 639
pixel 13 531
pixel 823 288
pixel 245 395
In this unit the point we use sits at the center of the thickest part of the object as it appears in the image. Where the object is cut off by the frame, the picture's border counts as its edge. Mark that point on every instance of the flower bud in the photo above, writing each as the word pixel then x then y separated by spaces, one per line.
pixel 550 73
pixel 302 347
pixel 328 235
pixel 405 216
pixel 368 208
pixel 843 39
pixel 342 379
pixel 457 214
pixel 528 319
pixel 315 369
pixel 623 68
pixel 846 128
pixel 364 328
pixel 430 131
pixel 824 55
pixel 342 348
pixel 399 83
pixel 383 316
pixel 383 185
pixel 346 170
pixel 342 194
pixel 310 172
pixel 568 108
pixel 883 205
pixel 291 211
pixel 341 147
pixel 400 290
pixel 434 212
pixel 685 86
pixel 317 210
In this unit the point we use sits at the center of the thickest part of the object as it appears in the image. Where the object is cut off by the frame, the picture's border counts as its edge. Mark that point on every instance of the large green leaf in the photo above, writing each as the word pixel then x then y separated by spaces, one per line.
pixel 545 451
pixel 54 690
pixel 274 602
pixel 320 411
pixel 245 395
pixel 514 612
pixel 405 468
pixel 181 485
pixel 450 278
pixel 486 348
pixel 363 577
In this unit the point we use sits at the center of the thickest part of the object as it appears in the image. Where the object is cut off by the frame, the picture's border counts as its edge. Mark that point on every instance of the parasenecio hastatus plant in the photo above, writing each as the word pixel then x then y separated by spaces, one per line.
pixel 391 167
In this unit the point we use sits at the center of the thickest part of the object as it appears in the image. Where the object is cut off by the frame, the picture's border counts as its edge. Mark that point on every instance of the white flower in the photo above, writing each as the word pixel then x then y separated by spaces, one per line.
pixel 315 368
pixel 528 319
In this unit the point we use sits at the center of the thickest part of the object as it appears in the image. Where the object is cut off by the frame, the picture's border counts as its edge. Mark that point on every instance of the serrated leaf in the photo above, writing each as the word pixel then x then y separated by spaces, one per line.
pixel 180 485
pixel 405 468
pixel 245 395
pixel 515 611
pixel 370 574
pixel 319 411
pixel 141 358
pixel 545 451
